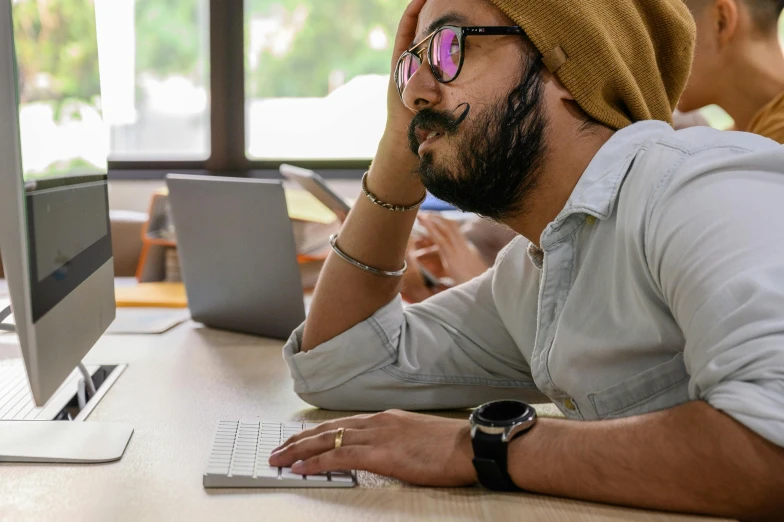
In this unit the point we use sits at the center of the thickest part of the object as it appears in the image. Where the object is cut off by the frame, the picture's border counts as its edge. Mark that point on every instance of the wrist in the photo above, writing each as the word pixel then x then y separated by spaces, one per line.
pixel 521 449
pixel 392 177
pixel 494 428
pixel 465 460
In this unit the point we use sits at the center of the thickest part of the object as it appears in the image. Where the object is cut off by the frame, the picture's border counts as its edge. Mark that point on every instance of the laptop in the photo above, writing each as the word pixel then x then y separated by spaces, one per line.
pixel 237 254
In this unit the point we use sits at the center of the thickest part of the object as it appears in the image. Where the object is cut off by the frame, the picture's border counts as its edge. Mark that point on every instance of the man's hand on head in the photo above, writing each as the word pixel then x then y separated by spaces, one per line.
pixel 418 449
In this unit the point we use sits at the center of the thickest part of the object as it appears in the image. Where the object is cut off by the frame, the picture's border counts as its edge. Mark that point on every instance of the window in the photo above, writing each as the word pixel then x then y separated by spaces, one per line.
pixel 317 73
pixel 59 88
pixel 316 76
pixel 148 99
pixel 154 57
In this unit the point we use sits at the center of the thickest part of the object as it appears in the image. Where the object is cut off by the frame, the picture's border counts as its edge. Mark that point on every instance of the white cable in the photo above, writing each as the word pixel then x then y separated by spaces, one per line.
pixel 88 381
pixel 5 313
pixel 81 395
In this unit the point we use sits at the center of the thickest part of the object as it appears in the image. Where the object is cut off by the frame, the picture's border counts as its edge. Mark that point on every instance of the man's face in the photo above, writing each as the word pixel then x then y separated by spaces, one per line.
pixel 705 73
pixel 486 163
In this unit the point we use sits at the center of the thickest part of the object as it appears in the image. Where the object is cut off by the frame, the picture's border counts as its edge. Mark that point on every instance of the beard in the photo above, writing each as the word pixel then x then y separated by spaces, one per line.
pixel 499 158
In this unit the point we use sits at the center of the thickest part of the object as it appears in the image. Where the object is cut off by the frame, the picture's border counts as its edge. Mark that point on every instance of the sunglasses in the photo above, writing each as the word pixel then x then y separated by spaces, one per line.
pixel 444 52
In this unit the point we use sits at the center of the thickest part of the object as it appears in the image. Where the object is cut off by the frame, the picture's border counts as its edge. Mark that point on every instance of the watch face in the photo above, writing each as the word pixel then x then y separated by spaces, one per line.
pixel 501 413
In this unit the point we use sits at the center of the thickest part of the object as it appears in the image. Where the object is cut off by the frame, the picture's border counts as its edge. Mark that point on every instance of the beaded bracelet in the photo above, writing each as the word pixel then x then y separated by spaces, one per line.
pixel 394 208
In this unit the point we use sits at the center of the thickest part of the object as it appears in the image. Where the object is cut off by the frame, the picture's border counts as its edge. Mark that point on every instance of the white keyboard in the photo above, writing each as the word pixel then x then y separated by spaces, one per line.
pixel 240 454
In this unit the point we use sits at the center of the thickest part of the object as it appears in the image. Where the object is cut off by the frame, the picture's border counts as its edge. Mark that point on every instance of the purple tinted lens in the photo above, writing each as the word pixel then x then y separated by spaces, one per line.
pixel 446 54
pixel 408 66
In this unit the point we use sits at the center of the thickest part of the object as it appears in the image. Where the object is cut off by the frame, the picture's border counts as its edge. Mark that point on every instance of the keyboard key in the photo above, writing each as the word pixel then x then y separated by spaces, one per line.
pixel 286 473
pixel 341 477
pixel 267 471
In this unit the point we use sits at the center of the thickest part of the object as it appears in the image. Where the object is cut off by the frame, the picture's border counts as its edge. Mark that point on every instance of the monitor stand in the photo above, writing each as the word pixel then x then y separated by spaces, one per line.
pixel 62 441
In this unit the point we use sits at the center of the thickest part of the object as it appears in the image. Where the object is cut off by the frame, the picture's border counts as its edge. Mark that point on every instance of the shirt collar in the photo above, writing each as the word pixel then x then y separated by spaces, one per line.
pixel 598 188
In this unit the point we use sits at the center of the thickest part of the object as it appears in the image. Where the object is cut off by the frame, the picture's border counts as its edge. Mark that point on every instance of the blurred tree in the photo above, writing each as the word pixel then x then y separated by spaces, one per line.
pixel 169 36
pixel 348 37
pixel 57 49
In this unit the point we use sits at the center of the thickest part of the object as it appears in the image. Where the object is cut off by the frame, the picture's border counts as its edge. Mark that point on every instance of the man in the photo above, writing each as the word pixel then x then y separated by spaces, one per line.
pixel 739 63
pixel 649 302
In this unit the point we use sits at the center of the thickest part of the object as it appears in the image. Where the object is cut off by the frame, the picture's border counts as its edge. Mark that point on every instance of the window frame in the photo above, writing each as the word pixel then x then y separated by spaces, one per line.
pixel 227 115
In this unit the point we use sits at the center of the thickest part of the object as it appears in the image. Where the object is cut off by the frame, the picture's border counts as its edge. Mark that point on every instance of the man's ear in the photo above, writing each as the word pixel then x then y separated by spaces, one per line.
pixel 726 17
pixel 559 89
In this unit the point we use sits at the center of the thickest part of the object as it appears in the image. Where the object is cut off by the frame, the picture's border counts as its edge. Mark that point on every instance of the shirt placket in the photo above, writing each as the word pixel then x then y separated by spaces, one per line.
pixel 558 262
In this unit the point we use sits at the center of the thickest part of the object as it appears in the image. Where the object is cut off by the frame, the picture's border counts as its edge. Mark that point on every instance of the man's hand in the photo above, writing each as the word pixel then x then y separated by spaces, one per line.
pixel 418 449
pixel 398 115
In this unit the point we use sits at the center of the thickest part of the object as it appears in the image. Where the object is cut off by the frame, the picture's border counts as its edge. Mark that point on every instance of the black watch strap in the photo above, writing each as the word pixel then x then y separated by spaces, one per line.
pixel 490 461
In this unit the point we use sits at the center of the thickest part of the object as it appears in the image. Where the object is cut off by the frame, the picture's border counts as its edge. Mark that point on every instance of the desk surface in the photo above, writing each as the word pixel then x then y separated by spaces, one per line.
pixel 176 388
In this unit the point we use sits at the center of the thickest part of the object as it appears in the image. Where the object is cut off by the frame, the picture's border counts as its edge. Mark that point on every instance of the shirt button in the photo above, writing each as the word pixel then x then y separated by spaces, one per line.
pixel 590 220
pixel 569 405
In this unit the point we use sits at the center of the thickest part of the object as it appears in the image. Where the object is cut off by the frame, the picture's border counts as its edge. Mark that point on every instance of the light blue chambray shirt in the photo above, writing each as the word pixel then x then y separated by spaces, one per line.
pixel 660 282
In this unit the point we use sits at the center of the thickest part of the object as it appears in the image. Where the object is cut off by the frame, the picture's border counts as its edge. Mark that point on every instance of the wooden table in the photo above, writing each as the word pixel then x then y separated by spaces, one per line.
pixel 176 388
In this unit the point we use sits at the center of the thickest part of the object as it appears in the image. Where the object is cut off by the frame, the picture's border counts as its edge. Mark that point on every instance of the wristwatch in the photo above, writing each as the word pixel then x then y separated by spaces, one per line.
pixel 493 426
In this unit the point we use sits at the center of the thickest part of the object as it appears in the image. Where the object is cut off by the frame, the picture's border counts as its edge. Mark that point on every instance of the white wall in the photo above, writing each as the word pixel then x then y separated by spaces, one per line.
pixel 133 194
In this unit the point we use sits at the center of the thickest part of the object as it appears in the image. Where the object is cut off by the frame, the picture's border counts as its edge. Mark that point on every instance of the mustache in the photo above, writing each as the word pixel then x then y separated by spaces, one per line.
pixel 433 119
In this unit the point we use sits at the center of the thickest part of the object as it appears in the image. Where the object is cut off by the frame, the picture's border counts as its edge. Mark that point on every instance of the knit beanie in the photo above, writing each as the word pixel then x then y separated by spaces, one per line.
pixel 622 60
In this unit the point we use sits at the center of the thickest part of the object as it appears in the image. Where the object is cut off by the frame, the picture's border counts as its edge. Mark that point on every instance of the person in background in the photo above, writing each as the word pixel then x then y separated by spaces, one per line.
pixel 738 64
pixel 456 252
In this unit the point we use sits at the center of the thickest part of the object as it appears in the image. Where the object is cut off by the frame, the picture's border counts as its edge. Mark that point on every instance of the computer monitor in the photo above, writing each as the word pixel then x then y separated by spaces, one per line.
pixel 57 257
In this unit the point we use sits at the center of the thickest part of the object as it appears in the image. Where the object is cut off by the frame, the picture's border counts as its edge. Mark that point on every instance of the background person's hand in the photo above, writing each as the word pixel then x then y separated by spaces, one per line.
pixel 461 260
pixel 418 449
pixel 413 288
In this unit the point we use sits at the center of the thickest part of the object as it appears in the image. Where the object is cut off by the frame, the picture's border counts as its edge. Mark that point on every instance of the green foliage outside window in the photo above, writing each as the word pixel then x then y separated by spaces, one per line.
pixel 58 56
pixel 334 37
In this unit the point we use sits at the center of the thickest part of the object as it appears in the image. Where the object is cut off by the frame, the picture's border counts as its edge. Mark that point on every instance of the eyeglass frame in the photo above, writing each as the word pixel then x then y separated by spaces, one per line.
pixel 462 33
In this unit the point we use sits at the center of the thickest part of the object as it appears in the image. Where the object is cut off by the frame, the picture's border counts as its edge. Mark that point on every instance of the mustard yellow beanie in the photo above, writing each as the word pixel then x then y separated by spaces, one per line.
pixel 622 60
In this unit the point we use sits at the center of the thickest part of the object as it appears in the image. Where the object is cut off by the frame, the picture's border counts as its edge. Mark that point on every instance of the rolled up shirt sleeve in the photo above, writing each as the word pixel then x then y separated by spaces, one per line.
pixel 451 351
pixel 717 251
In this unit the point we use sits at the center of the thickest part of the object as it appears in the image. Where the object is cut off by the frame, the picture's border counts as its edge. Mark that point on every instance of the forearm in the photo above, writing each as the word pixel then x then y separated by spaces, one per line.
pixel 689 459
pixel 346 295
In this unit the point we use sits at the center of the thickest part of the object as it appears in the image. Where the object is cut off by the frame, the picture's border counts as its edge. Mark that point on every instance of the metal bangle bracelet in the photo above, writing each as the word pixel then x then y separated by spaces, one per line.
pixel 333 240
pixel 394 208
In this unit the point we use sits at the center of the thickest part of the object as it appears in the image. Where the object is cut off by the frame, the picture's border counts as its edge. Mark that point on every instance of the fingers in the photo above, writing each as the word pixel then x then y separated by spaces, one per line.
pixel 356 422
pixel 427 252
pixel 435 232
pixel 413 287
pixel 323 442
pixel 406 31
pixel 346 458
pixel 448 227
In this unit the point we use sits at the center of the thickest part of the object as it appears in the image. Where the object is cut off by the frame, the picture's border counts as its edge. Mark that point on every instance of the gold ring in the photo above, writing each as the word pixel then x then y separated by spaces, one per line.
pixel 339 437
